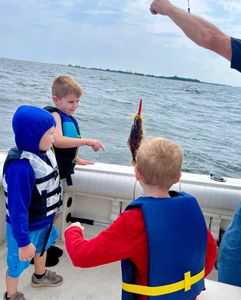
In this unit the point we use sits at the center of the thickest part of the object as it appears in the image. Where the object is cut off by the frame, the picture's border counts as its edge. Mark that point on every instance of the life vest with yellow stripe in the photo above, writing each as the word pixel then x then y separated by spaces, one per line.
pixel 177 239
pixel 66 156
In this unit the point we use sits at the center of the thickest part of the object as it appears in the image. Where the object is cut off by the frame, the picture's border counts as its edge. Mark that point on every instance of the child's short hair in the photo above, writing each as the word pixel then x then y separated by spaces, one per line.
pixel 64 85
pixel 159 162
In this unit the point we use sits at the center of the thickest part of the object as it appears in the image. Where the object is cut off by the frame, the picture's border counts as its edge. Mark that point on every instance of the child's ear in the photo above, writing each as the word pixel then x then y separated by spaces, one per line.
pixel 137 173
pixel 178 177
pixel 54 98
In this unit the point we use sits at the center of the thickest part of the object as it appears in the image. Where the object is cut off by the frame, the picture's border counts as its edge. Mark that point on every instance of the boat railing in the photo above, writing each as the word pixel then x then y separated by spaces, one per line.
pixel 100 192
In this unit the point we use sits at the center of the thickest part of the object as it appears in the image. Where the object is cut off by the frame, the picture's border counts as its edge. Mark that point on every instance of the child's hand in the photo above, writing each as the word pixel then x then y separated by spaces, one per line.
pixel 96 145
pixel 26 252
pixel 76 224
pixel 83 162
pixel 57 215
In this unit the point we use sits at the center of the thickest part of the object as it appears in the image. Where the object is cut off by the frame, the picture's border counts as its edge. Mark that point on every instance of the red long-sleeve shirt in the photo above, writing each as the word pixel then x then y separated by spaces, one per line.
pixel 124 238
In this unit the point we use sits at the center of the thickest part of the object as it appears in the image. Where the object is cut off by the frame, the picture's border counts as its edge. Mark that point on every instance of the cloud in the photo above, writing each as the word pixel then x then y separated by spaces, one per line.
pixel 136 6
pixel 232 7
pixel 114 34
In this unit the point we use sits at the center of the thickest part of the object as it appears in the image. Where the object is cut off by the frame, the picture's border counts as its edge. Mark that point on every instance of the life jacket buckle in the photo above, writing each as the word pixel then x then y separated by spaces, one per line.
pixel 56 174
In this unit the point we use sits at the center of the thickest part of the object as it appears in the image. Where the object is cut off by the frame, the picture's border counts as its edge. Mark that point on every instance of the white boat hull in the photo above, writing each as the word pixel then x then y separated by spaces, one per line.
pixel 100 192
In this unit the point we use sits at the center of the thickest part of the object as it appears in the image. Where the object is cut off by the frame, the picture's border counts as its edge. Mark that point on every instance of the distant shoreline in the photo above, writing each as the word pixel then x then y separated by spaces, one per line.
pixel 175 77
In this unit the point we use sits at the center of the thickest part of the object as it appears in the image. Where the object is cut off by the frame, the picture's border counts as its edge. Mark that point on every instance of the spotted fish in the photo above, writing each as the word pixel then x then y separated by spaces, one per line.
pixel 136 134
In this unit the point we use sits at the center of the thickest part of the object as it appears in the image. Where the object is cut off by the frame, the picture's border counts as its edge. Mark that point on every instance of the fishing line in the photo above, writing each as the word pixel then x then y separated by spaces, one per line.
pixel 134 191
pixel 150 46
pixel 149 52
pixel 188 6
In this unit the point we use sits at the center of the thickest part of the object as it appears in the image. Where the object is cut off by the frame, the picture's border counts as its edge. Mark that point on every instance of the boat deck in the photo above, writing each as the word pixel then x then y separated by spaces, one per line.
pixel 101 283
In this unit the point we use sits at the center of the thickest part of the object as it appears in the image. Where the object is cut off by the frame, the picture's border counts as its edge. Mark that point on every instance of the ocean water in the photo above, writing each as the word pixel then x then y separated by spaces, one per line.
pixel 204 118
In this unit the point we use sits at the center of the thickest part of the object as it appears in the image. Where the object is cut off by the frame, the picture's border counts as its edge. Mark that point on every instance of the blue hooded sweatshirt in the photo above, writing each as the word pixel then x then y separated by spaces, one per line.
pixel 29 125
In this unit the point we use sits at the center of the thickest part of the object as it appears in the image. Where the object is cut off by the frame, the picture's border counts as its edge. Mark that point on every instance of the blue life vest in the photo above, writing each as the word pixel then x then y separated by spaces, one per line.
pixel 46 194
pixel 177 240
pixel 229 267
pixel 66 156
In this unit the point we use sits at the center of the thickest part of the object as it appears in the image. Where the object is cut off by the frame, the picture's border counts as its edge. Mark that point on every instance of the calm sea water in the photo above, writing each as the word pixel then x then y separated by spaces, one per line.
pixel 205 119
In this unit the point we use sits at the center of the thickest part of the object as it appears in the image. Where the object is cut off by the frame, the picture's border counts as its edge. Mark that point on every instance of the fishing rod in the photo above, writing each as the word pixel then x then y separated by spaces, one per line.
pixel 70 218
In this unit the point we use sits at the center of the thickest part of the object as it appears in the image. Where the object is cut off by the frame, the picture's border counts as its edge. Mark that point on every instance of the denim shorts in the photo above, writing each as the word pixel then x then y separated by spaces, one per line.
pixel 17 266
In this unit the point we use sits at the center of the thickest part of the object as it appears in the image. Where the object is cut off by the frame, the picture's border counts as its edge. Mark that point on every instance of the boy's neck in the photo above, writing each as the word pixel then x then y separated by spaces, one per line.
pixel 155 192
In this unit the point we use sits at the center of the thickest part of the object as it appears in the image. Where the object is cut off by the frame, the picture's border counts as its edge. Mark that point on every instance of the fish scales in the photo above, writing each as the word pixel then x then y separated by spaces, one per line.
pixel 136 134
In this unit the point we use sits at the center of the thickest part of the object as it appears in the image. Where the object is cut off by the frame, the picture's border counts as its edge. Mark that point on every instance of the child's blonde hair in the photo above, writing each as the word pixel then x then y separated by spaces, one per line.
pixel 160 162
pixel 64 85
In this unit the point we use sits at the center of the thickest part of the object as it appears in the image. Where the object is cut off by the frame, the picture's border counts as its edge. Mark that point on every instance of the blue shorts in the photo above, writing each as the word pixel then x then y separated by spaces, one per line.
pixel 17 266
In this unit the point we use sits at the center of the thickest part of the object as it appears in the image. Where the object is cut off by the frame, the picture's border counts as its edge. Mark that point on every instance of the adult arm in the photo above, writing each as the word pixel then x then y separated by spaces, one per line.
pixel 196 28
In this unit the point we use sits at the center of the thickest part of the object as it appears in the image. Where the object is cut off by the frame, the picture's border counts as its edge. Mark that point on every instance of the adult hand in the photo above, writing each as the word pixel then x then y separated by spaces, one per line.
pixel 160 7
pixel 27 252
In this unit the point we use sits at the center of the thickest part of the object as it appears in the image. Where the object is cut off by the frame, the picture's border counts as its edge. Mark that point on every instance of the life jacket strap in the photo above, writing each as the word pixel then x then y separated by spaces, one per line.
pixel 69 180
pixel 185 285
pixel 46 195
pixel 53 174
pixel 55 206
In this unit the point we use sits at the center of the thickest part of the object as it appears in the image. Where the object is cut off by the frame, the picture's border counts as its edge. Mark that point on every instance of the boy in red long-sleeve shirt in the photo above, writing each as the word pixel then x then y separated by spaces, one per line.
pixel 161 238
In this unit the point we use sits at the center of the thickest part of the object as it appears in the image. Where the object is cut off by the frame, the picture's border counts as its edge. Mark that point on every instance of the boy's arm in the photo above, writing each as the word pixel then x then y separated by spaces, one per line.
pixel 211 253
pixel 61 141
pixel 115 243
pixel 20 180
pixel 197 29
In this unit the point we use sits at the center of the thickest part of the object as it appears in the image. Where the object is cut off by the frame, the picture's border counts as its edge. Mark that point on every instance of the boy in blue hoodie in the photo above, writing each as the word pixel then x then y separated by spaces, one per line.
pixel 33 195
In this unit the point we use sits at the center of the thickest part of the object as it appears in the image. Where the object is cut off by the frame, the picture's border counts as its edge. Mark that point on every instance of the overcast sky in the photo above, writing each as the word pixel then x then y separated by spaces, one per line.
pixel 116 34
